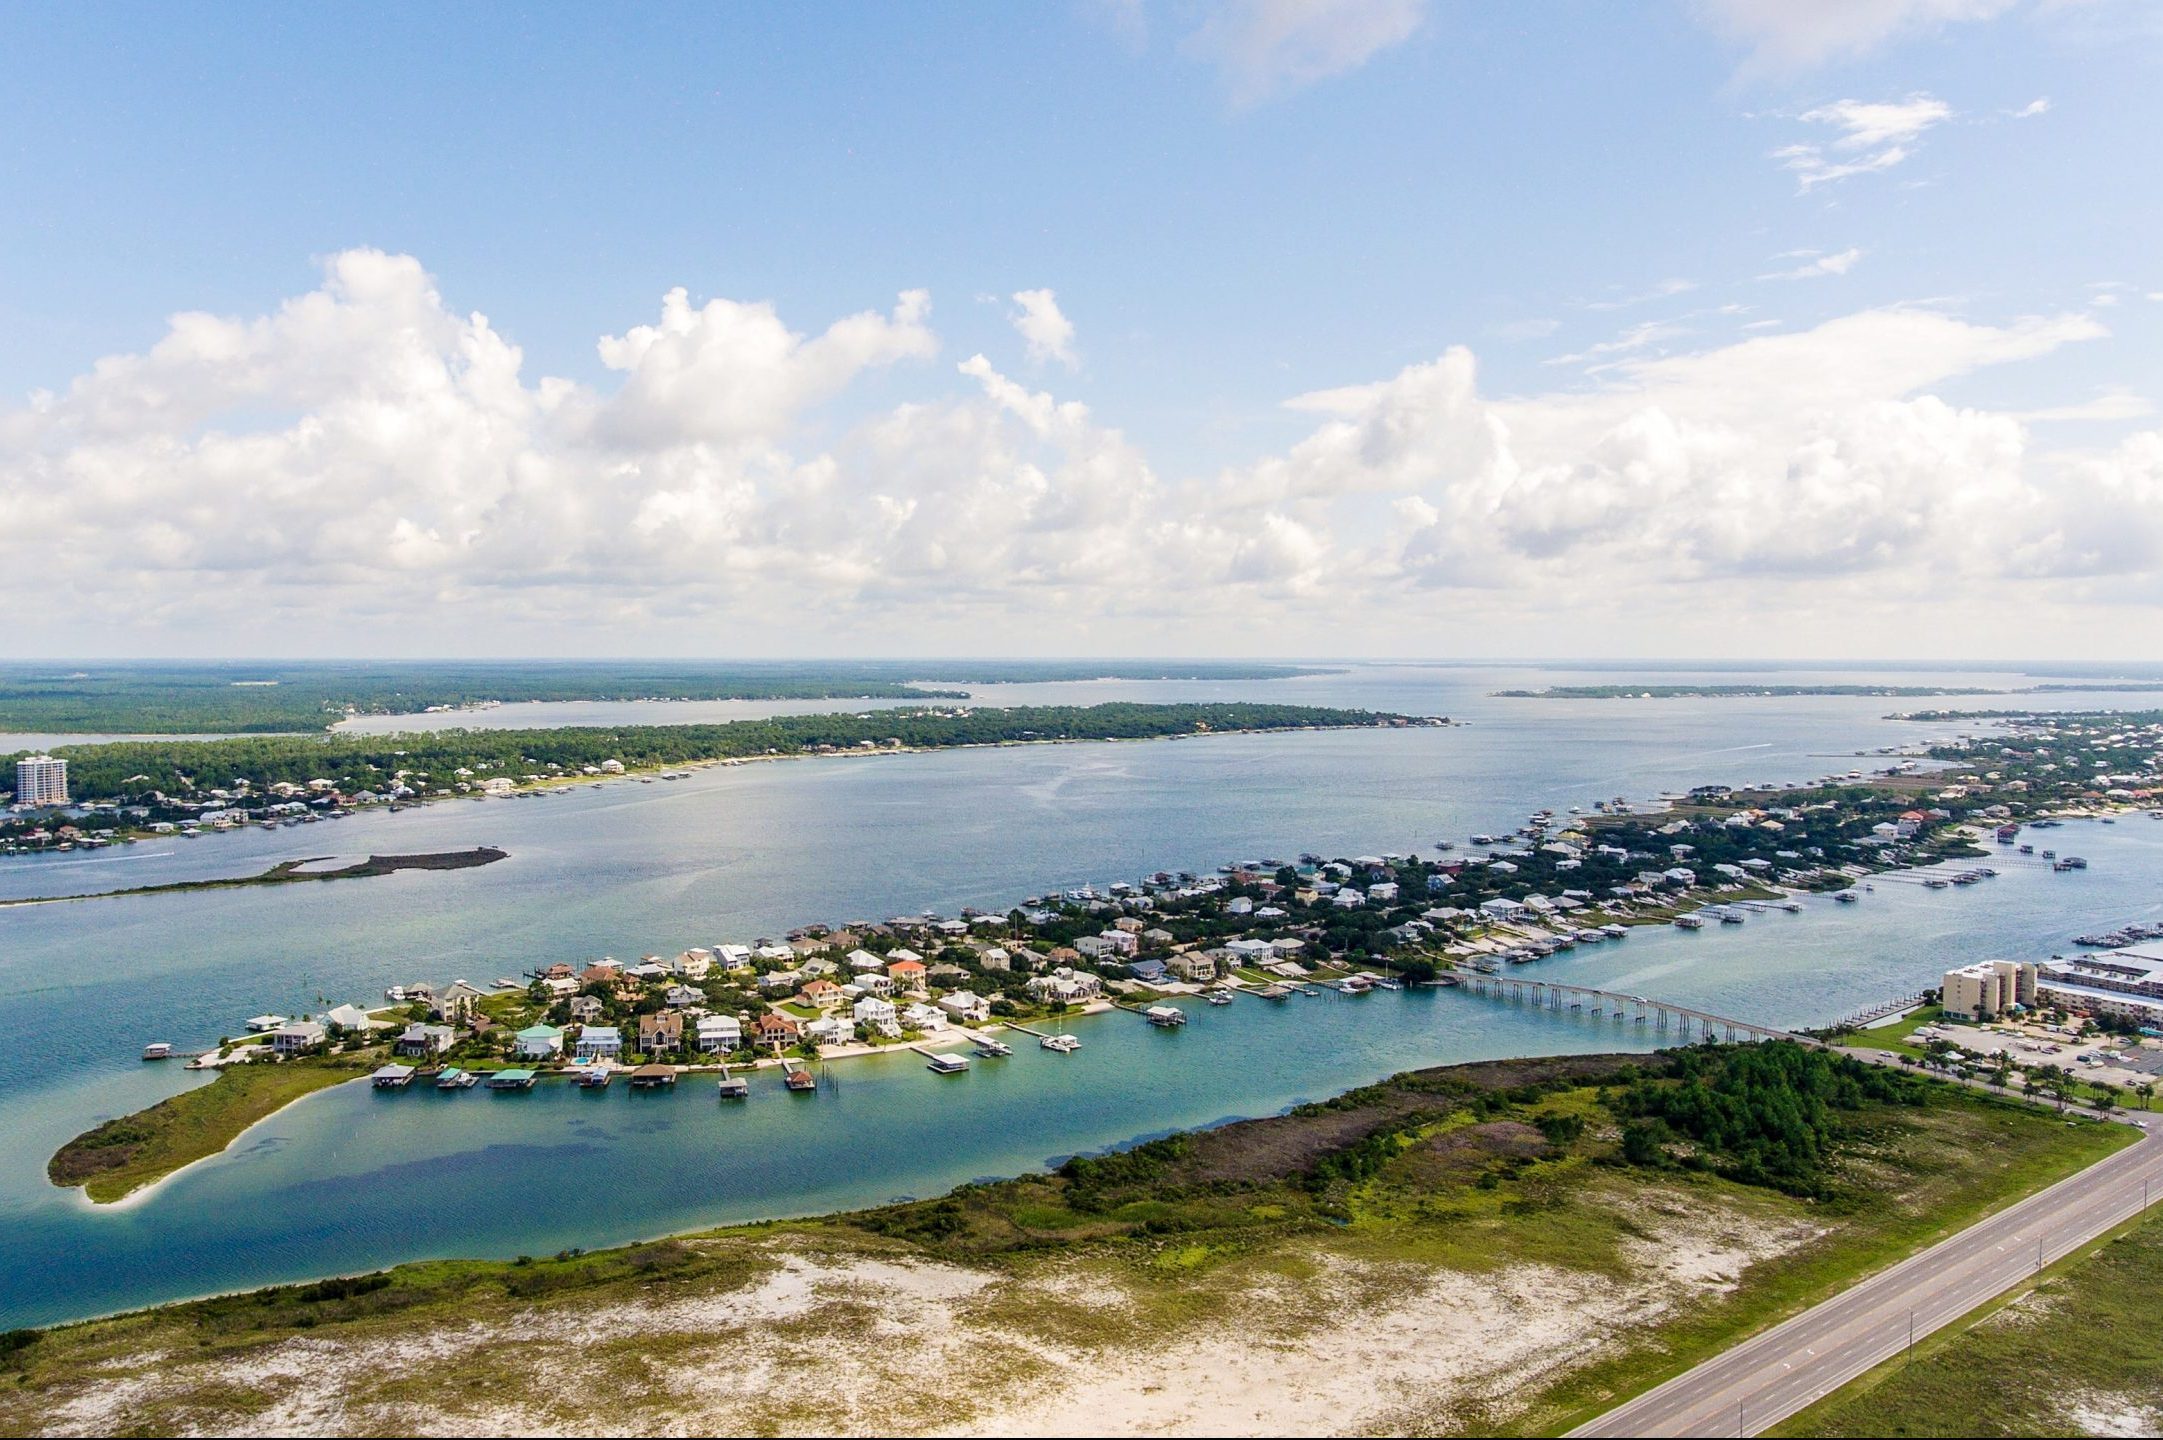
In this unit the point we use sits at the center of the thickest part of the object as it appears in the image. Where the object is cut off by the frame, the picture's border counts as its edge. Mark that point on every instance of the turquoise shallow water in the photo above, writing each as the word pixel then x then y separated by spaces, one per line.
pixel 350 1179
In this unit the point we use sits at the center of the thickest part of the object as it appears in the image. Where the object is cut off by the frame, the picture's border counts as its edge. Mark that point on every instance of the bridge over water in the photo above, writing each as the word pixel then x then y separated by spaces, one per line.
pixel 1656 1015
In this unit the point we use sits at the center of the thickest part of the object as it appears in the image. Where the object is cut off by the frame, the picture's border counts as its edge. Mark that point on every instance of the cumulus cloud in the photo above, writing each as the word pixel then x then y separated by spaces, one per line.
pixel 1791 34
pixel 1816 266
pixel 367 464
pixel 1268 47
pixel 1050 335
pixel 1873 136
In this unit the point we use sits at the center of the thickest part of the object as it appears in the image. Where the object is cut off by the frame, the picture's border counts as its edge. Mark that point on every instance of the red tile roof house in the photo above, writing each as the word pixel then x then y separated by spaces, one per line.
pixel 907 973
pixel 778 1031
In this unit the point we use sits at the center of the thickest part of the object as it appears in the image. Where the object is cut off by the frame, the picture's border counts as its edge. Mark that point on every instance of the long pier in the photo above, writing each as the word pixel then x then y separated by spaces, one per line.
pixel 1658 1015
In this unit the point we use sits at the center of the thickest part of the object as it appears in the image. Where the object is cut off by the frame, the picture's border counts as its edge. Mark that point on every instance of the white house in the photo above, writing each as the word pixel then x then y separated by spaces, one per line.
pixel 1383 892
pixel 695 963
pixel 539 1042
pixel 875 1014
pixel 830 1030
pixel 599 1042
pixel 733 957
pixel 864 961
pixel 1347 899
pixel 1500 908
pixel 719 1032
pixel 965 1006
pixel 296 1036
pixel 923 1017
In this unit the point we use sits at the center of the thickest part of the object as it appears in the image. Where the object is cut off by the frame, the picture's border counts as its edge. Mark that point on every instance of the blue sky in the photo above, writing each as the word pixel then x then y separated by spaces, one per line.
pixel 1233 205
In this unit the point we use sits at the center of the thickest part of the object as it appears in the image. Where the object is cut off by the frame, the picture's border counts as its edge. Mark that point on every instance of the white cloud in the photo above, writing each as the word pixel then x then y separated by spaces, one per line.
pixel 1050 335
pixel 1792 34
pixel 366 469
pixel 1268 47
pixel 1818 266
pixel 731 371
pixel 1674 285
pixel 1872 136
pixel 2038 106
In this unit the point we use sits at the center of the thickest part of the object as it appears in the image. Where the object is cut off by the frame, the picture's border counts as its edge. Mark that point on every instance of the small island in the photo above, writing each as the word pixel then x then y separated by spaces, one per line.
pixel 293 872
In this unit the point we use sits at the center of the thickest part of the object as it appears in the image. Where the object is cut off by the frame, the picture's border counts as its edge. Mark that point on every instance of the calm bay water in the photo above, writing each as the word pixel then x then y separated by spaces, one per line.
pixel 349 1179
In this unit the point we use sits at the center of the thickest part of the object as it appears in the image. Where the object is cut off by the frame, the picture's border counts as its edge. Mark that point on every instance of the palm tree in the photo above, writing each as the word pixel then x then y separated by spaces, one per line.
pixel 2146 1091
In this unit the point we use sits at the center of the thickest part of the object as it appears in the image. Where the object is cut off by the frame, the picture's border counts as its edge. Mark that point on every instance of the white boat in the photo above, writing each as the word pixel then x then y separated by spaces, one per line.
pixel 1064 1044
pixel 1688 922
pixel 1220 997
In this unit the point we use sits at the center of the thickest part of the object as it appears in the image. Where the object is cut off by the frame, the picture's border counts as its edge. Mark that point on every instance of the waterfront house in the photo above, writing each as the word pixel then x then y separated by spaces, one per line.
pixel 539 1042
pixel 425 1040
pixel 599 1042
pixel 349 1018
pixel 965 1006
pixel 646 971
pixel 1195 965
pixel 778 1031
pixel 830 1030
pixel 923 1017
pixel 719 1033
pixel 561 985
pixel 733 957
pixel 603 974
pixel 458 1002
pixel 295 1036
pixel 1149 972
pixel 694 964
pixel 875 1014
pixel 660 1032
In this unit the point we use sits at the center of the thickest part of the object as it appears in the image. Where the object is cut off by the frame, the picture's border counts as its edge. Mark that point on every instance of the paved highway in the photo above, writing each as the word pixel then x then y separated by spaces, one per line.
pixel 1779 1371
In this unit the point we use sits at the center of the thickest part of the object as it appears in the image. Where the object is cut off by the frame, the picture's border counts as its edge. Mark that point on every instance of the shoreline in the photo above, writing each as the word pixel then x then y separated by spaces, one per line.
pixel 554 784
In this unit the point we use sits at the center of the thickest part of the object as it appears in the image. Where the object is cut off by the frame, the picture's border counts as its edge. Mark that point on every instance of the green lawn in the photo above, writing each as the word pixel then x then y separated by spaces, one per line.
pixel 2082 1353
pixel 1893 1034
pixel 123 1155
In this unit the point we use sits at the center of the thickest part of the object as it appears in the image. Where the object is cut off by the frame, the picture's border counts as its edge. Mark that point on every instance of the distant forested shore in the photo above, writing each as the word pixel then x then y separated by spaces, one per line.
pixel 385 766
pixel 1732 692
pixel 289 697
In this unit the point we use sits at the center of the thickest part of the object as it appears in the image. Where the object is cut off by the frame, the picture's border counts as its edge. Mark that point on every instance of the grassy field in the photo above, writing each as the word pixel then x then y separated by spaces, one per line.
pixel 1480 1237
pixel 1894 1035
pixel 2080 1354
pixel 123 1155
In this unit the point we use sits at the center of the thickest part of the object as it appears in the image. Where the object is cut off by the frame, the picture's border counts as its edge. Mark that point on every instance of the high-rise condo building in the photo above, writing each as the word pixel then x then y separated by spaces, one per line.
pixel 41 780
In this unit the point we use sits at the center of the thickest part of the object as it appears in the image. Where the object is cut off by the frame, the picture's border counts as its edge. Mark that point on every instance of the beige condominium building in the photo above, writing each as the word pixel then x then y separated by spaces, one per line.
pixel 1988 989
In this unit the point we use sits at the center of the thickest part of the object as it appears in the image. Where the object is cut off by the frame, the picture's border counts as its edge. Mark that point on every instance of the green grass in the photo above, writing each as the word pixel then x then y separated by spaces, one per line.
pixel 2089 1336
pixel 1959 1164
pixel 121 1156
pixel 1893 1035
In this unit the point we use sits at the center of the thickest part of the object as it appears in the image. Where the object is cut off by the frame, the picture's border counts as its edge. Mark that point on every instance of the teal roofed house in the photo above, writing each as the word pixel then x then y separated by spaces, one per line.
pixel 540 1042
